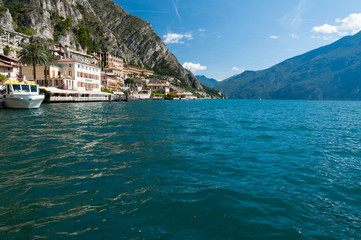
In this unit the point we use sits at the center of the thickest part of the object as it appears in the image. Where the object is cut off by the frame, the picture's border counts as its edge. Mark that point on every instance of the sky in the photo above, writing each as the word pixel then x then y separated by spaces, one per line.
pixel 222 38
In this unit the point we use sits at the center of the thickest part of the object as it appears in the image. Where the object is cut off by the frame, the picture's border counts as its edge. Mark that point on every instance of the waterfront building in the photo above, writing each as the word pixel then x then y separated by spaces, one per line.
pixel 54 77
pixel 115 71
pixel 85 76
pixel 109 81
pixel 144 94
pixel 132 71
pixel 184 95
pixel 160 86
pixel 113 65
pixel 66 52
pixel 118 74
pixel 112 61
pixel 10 67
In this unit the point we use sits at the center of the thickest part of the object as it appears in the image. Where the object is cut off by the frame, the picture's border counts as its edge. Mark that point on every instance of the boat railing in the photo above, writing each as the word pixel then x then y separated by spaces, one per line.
pixel 77 99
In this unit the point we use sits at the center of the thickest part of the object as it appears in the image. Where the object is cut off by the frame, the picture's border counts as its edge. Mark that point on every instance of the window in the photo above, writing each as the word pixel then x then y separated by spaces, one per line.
pixel 34 88
pixel 16 88
pixel 70 73
pixel 70 65
pixel 25 88
pixel 78 74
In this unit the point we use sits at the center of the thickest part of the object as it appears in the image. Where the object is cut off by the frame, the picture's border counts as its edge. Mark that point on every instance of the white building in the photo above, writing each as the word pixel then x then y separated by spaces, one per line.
pixel 159 86
pixel 84 76
pixel 10 67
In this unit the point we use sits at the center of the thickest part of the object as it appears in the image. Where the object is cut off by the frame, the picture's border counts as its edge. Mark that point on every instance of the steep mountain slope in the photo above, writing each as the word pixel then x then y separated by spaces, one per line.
pixel 208 82
pixel 330 72
pixel 98 25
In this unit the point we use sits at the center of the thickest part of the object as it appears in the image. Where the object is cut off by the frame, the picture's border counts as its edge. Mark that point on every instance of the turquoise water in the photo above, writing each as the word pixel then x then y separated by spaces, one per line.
pixel 209 169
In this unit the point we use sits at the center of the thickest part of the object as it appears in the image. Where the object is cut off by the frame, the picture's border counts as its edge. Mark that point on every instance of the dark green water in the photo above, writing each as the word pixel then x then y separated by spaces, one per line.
pixel 212 169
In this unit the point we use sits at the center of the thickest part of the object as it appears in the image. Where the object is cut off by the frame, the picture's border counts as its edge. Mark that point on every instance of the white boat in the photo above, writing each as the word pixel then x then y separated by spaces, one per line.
pixel 21 95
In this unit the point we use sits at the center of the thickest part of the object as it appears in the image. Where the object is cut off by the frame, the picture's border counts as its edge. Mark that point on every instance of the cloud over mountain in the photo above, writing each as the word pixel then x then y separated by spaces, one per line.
pixel 193 67
pixel 177 38
pixel 348 25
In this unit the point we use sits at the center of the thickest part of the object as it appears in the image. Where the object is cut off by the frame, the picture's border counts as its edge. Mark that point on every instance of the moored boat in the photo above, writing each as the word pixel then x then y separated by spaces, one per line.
pixel 17 94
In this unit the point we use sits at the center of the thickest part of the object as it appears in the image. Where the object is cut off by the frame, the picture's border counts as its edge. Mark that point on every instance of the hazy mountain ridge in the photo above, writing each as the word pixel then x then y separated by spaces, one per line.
pixel 95 25
pixel 329 72
pixel 208 82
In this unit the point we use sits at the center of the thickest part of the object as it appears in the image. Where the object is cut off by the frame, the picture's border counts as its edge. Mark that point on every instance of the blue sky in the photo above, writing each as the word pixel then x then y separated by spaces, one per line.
pixel 222 38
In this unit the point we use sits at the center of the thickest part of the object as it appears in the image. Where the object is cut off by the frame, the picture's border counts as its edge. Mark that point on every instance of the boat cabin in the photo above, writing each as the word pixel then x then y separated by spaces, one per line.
pixel 15 87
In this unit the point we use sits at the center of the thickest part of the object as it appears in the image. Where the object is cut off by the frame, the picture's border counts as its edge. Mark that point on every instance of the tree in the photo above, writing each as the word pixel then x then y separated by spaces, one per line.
pixel 3 78
pixel 50 60
pixel 129 81
pixel 6 50
pixel 34 54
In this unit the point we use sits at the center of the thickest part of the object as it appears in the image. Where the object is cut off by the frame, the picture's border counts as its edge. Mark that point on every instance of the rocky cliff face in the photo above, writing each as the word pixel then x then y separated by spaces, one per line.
pixel 99 25
pixel 6 21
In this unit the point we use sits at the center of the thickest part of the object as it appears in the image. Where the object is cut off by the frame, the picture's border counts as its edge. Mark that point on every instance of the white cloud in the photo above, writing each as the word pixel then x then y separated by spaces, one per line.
pixel 292 35
pixel 177 38
pixel 201 30
pixel 193 67
pixel 237 69
pixel 274 37
pixel 326 28
pixel 346 26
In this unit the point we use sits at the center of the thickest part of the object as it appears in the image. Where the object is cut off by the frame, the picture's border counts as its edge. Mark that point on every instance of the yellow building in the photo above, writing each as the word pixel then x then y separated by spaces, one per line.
pixel 54 77
pixel 113 65
pixel 113 61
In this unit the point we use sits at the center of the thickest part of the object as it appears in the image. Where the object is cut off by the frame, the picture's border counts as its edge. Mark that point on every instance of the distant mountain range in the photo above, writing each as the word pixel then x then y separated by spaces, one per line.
pixel 332 72
pixel 208 82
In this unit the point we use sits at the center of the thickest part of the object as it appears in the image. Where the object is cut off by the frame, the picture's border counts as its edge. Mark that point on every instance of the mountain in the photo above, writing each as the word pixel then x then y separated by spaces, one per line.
pixel 208 82
pixel 95 25
pixel 332 72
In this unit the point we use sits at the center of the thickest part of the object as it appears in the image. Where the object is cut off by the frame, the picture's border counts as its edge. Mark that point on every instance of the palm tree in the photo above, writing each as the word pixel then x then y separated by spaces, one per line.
pixel 33 54
pixel 50 60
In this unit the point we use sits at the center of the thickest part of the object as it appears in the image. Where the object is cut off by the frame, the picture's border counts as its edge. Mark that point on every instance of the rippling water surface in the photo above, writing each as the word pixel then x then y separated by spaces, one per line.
pixel 210 169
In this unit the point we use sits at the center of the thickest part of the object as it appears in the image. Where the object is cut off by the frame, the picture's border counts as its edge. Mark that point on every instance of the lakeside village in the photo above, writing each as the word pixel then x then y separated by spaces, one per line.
pixel 78 76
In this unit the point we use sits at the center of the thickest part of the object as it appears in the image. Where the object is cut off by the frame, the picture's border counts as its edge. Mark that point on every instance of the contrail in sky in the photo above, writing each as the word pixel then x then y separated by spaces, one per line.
pixel 176 10
pixel 146 11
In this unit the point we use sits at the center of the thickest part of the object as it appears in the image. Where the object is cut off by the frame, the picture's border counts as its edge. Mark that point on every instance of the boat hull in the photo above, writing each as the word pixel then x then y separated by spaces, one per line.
pixel 23 101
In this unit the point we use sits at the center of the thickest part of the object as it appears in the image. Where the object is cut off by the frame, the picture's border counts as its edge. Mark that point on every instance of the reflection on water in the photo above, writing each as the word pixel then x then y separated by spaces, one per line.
pixel 181 170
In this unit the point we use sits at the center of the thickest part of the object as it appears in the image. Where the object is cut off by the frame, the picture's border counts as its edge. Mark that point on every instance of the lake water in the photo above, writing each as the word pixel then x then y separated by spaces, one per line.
pixel 208 169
